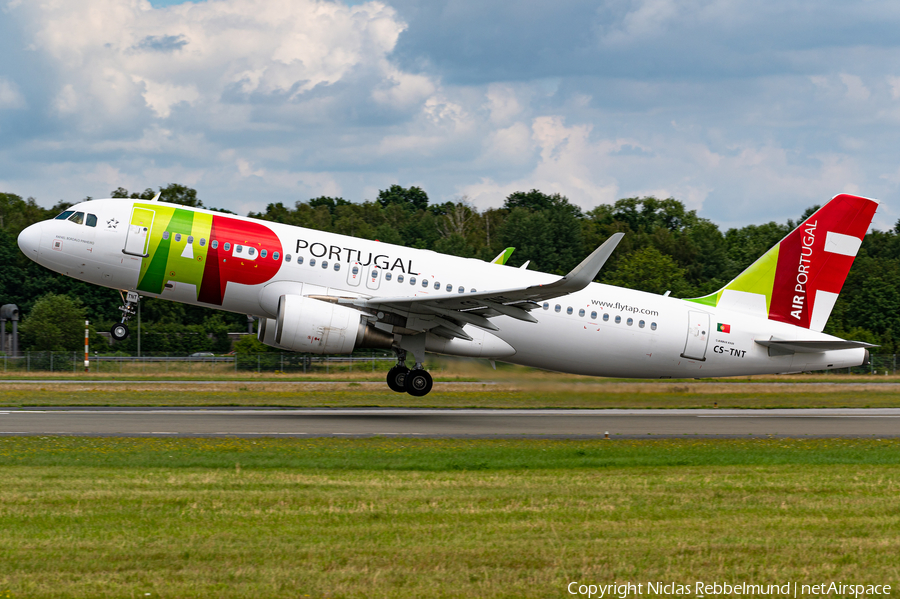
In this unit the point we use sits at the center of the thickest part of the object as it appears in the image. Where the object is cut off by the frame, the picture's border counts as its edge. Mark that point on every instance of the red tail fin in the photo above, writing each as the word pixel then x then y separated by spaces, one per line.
pixel 798 280
pixel 813 261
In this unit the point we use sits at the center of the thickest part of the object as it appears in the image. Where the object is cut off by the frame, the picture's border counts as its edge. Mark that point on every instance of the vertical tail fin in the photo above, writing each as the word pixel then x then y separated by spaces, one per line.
pixel 798 280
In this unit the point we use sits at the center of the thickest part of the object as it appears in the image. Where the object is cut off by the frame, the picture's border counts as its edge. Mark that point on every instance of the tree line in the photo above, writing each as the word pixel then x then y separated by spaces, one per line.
pixel 666 248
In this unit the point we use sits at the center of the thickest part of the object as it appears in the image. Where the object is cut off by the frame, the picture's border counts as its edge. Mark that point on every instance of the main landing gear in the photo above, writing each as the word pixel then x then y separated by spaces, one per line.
pixel 120 330
pixel 416 382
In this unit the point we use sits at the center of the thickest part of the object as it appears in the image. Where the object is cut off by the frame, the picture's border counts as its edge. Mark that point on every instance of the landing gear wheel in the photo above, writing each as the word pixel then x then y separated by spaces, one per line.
pixel 418 382
pixel 119 332
pixel 396 378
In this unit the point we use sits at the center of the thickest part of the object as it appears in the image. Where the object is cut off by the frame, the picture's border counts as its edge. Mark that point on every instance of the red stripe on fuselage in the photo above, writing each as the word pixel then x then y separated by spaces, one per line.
pixel 222 267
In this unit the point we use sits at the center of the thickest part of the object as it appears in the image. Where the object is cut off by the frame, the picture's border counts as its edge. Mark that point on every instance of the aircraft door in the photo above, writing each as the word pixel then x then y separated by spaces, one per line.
pixel 355 274
pixel 137 238
pixel 374 278
pixel 697 336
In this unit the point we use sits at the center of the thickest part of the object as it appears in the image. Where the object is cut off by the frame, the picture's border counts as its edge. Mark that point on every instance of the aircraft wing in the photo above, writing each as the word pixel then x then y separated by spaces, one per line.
pixel 446 314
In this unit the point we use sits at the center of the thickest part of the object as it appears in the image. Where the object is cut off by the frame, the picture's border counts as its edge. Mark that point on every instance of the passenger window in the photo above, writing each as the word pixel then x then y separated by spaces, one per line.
pixel 437 286
pixel 312 261
pixel 275 255
pixel 227 246
pixel 569 310
pixel 581 312
pixel 355 270
pixel 77 218
pixel 337 266
pixel 65 215
pixel 652 326
pixel 629 322
pixel 605 317
pixel 374 274
pixel 449 287
pixel 399 278
pixel 618 319
pixel 557 308
pixel 641 324
pixel 324 263
pixel 461 289
pixel 546 305
pixel 593 315
pixel 166 236
pixel 299 259
pixel 472 290
pixel 202 242
pixel 424 283
pixel 91 220
pixel 263 253
pixel 252 251
pixel 387 276
pixel 190 239
pixel 287 257
pixel 412 280
pixel 214 244
pixel 237 249
pixel 177 236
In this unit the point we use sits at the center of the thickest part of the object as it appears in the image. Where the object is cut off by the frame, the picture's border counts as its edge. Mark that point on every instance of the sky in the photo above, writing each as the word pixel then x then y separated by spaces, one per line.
pixel 745 110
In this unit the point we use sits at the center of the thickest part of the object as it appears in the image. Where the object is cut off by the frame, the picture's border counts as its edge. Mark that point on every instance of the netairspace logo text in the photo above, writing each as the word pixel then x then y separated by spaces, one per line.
pixel 702 589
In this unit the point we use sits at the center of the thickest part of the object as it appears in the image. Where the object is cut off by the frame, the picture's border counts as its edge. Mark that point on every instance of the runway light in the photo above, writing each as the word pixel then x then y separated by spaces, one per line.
pixel 606 435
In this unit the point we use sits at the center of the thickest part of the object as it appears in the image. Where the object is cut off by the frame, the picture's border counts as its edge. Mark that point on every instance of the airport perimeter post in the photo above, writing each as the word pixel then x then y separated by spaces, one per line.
pixel 87 361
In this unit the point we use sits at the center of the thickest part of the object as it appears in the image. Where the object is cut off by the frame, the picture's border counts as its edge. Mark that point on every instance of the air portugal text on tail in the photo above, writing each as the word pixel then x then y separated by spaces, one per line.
pixel 767 320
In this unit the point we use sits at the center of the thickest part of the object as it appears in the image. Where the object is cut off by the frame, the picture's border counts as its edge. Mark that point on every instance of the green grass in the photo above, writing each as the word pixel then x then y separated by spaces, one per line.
pixel 87 517
pixel 484 396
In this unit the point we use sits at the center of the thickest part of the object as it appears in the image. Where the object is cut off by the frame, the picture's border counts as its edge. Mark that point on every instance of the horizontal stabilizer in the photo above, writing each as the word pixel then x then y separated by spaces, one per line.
pixel 781 347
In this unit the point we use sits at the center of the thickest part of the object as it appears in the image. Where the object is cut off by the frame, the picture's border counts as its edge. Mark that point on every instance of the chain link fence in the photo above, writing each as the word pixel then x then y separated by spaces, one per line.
pixel 294 363
pixel 73 362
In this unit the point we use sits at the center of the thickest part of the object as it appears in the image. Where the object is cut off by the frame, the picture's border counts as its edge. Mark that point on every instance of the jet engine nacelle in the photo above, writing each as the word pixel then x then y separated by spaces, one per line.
pixel 266 331
pixel 316 327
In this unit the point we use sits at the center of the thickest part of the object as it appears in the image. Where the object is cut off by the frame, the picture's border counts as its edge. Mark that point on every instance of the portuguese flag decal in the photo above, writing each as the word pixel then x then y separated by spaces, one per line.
pixel 723 328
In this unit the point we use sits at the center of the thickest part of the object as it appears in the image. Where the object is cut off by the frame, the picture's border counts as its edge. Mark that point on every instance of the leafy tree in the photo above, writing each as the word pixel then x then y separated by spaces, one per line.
pixel 412 198
pixel 55 323
pixel 330 203
pixel 249 344
pixel 16 213
pixel 648 270
pixel 544 229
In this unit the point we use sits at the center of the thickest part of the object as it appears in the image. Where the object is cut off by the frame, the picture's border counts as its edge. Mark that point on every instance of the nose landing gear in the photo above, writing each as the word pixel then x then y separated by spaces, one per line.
pixel 416 382
pixel 120 330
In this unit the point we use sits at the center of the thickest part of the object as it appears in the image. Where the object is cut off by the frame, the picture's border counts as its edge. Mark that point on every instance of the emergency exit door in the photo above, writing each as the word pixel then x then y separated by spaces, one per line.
pixel 697 336
pixel 137 239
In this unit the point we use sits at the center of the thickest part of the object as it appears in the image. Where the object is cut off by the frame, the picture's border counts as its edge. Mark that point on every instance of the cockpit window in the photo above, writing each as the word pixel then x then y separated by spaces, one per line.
pixel 77 218
pixel 65 215
pixel 91 220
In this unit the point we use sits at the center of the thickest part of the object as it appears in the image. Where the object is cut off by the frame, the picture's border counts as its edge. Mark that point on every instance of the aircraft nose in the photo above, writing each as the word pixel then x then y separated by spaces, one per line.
pixel 30 240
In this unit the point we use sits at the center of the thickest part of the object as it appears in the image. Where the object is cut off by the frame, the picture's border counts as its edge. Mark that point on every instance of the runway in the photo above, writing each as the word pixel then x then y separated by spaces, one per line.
pixel 464 423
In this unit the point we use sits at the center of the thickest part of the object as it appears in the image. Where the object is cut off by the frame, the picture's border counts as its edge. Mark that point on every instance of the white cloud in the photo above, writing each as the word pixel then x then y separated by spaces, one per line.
pixel 745 111
pixel 10 96
pixel 856 89
pixel 569 164
pixel 111 51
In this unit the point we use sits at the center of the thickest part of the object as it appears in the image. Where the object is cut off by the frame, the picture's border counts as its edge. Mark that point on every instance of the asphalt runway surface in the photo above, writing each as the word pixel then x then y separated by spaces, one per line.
pixel 463 423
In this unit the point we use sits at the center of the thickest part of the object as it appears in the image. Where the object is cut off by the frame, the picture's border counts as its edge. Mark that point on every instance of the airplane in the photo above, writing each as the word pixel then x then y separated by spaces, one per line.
pixel 324 293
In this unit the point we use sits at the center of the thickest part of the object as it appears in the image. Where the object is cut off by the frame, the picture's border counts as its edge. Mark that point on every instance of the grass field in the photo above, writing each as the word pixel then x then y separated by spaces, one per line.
pixel 547 392
pixel 86 517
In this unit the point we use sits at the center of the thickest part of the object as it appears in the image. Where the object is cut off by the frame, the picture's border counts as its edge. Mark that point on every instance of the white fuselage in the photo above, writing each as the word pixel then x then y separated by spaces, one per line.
pixel 601 330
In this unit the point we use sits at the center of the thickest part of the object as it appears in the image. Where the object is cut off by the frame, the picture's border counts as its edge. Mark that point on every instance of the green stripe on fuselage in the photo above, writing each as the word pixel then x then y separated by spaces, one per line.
pixel 161 263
